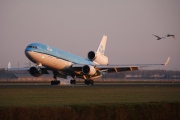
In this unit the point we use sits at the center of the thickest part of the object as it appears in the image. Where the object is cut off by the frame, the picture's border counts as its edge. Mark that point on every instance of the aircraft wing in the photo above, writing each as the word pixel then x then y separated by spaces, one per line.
pixel 129 67
pixel 115 68
pixel 17 69
pixel 118 68
pixel 43 69
pixel 121 68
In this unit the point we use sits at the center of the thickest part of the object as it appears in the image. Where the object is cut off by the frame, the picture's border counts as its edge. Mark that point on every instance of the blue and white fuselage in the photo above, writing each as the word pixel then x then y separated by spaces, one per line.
pixel 44 55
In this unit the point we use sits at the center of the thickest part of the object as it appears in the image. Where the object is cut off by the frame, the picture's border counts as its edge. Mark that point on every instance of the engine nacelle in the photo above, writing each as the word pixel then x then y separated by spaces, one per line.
pixel 89 70
pixel 35 72
pixel 97 58
pixel 92 55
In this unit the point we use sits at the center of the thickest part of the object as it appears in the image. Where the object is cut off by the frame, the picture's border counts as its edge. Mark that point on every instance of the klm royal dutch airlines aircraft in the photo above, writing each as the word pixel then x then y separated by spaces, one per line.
pixel 65 64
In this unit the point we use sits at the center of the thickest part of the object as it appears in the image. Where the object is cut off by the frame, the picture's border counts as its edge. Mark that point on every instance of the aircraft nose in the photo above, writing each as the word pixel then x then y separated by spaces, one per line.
pixel 30 55
pixel 27 53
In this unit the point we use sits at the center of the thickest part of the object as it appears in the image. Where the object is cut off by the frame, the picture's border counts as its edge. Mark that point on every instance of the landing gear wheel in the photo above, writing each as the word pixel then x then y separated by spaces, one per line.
pixel 55 82
pixel 91 82
pixel 87 82
pixel 73 81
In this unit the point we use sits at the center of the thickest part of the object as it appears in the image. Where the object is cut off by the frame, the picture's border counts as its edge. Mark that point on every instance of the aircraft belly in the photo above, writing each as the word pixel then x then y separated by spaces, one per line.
pixel 60 64
pixel 49 61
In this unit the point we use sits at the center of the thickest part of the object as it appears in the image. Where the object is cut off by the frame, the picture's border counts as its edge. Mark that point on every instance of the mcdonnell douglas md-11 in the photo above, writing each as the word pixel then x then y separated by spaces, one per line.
pixel 64 64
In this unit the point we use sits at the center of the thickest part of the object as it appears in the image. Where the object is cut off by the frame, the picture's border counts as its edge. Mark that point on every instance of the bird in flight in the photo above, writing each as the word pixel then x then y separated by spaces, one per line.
pixel 168 35
pixel 158 38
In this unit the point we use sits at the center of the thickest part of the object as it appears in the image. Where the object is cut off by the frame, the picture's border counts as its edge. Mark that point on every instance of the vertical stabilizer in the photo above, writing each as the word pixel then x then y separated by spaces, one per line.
pixel 102 45
pixel 98 57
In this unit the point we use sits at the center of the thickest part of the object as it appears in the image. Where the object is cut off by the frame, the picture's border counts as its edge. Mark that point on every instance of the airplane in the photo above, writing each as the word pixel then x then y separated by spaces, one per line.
pixel 64 64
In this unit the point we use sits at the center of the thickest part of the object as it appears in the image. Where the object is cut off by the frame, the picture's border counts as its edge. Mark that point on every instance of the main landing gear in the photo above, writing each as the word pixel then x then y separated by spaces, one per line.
pixel 73 81
pixel 87 82
pixel 55 81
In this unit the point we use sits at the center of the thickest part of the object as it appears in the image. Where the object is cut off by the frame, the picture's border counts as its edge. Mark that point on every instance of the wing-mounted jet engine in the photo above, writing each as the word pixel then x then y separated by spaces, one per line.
pixel 37 72
pixel 34 71
pixel 89 70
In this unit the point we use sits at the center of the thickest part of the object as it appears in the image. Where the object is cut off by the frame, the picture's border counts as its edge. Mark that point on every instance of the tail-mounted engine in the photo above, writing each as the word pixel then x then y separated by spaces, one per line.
pixel 89 70
pixel 35 72
pixel 97 58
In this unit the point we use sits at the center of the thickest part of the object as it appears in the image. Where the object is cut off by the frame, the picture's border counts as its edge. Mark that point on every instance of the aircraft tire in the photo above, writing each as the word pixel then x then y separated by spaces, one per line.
pixel 55 82
pixel 73 81
pixel 87 82
pixel 91 82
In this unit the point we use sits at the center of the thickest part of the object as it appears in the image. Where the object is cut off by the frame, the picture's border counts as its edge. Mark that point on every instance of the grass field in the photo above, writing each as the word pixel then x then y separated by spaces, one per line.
pixel 82 95
pixel 82 100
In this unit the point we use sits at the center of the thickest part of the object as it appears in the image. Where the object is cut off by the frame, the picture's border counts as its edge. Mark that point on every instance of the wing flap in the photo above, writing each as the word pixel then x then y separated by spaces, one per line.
pixel 116 69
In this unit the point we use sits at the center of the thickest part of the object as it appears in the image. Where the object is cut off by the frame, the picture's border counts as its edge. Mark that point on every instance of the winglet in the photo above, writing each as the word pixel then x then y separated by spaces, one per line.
pixel 167 61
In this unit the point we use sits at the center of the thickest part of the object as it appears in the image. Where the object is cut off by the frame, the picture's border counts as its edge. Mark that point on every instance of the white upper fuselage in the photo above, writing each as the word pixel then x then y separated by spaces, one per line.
pixel 53 58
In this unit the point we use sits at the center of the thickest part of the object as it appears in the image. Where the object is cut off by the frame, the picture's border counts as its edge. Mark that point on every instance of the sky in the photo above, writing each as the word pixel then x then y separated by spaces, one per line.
pixel 77 26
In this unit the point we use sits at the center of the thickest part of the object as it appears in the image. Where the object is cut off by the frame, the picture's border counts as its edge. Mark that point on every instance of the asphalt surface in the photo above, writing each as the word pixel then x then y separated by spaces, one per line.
pixel 21 85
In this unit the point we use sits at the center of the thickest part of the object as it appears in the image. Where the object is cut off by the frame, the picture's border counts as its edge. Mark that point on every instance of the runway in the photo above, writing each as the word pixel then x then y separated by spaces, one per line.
pixel 16 85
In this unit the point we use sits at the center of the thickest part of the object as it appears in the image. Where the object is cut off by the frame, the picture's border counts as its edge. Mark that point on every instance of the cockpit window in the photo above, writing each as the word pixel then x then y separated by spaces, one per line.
pixel 32 47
